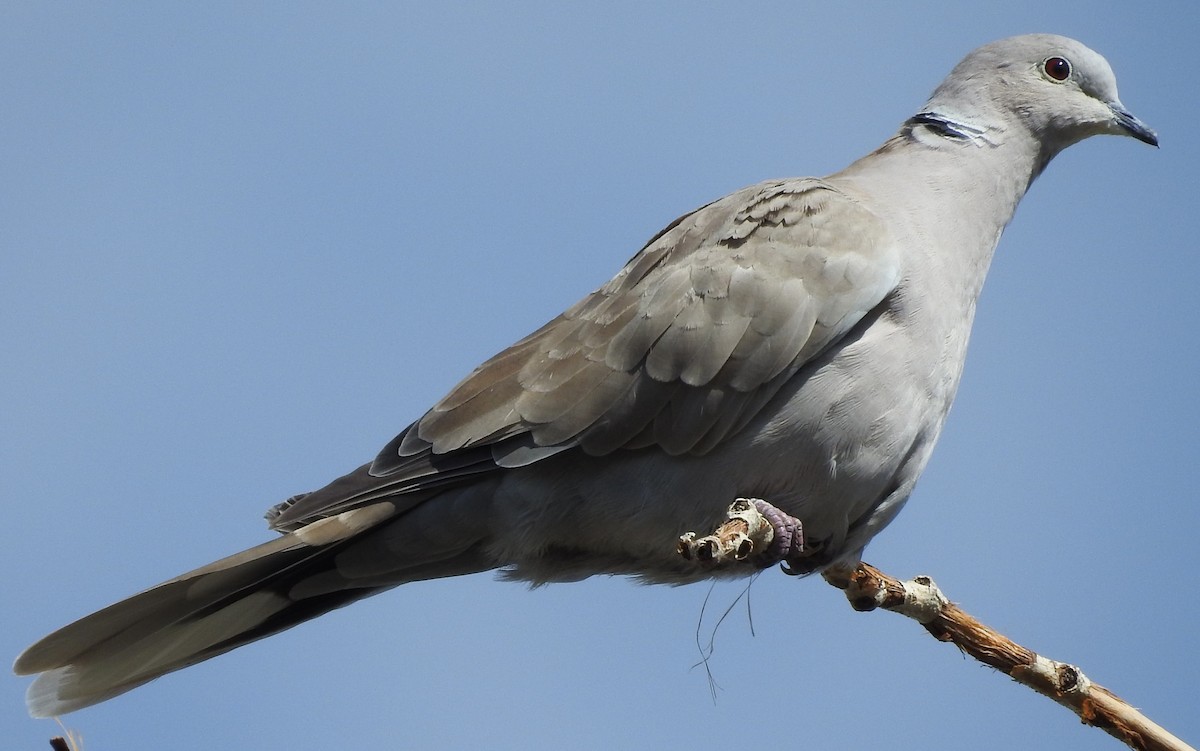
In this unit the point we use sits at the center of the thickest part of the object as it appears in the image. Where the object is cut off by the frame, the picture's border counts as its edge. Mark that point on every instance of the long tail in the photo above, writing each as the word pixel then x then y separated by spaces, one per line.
pixel 232 602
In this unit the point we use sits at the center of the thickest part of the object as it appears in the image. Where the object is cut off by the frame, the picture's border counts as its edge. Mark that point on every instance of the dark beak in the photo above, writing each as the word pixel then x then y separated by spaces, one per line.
pixel 1133 126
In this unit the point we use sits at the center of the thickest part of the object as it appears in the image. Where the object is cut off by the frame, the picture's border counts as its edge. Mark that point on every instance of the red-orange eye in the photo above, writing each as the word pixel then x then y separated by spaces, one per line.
pixel 1057 68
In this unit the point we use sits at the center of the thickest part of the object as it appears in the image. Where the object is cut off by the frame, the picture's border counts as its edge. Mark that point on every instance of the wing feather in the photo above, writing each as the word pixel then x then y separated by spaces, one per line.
pixel 724 302
pixel 680 350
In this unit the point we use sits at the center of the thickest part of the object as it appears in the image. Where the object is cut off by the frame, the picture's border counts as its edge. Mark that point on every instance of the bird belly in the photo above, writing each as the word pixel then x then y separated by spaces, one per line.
pixel 839 447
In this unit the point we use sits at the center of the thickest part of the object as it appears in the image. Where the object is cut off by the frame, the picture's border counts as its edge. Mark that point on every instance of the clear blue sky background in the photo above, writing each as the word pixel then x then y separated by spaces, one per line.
pixel 242 245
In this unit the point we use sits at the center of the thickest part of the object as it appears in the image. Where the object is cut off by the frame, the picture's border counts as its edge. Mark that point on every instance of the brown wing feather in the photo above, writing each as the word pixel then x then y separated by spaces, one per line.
pixel 679 350
pixel 722 303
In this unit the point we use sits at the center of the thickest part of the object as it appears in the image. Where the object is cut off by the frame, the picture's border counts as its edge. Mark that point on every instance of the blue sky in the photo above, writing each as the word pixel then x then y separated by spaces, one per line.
pixel 242 247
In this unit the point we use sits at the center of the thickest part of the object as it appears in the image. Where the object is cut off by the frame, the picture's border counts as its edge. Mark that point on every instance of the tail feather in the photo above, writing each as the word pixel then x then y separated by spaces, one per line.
pixel 214 609
pixel 135 617
pixel 175 624
pixel 102 673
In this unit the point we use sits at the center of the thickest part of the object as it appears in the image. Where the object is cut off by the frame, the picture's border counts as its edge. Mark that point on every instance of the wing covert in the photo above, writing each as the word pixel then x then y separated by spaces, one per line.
pixel 686 343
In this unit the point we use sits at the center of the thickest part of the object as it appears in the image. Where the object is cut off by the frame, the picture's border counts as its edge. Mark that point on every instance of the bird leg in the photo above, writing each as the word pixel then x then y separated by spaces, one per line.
pixel 755 532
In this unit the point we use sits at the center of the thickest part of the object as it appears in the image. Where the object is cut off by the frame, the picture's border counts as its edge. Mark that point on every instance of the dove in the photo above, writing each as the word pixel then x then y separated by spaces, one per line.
pixel 799 341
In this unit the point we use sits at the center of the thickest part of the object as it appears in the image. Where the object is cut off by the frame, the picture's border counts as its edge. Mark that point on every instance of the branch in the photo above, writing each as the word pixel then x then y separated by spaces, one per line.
pixel 868 588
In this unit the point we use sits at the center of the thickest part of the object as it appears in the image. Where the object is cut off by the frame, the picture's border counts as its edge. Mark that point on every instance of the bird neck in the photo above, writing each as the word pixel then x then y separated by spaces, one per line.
pixel 947 126
pixel 949 190
pixel 954 183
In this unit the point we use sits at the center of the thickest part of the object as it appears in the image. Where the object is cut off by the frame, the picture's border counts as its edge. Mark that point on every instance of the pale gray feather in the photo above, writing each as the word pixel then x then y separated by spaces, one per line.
pixel 727 299
pixel 799 341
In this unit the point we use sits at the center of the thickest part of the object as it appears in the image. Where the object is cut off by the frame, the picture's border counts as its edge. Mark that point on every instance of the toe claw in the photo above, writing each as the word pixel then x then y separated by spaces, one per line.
pixel 755 531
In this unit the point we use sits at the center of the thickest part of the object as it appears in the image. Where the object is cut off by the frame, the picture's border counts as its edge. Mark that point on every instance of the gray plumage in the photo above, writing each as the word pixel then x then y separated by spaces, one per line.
pixel 799 341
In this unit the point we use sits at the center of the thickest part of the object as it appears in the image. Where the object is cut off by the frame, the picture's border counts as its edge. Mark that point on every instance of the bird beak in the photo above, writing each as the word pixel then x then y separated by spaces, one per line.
pixel 1132 126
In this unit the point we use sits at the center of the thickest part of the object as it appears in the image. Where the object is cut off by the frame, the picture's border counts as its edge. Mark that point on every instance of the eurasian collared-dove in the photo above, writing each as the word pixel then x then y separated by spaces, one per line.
pixel 798 341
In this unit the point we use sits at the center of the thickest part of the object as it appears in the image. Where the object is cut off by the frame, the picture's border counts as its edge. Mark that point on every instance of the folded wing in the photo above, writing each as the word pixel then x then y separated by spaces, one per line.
pixel 678 351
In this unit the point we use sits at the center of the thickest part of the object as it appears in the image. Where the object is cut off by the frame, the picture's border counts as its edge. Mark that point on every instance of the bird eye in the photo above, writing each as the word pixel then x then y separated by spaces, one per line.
pixel 1057 68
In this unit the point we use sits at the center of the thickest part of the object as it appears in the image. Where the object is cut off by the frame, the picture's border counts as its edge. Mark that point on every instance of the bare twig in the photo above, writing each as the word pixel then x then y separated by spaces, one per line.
pixel 868 588
pixel 745 532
